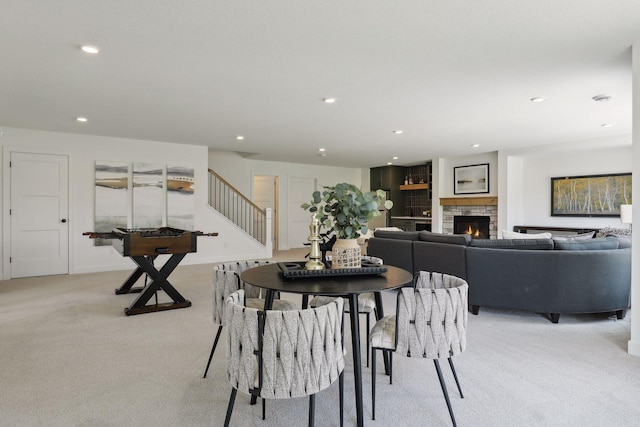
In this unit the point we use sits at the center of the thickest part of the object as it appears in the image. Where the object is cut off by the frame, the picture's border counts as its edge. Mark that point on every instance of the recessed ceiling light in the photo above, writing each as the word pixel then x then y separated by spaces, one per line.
pixel 81 119
pixel 602 98
pixel 329 100
pixel 90 49
pixel 389 163
pixel 398 132
pixel 322 149
pixel 538 99
pixel 240 137
pixel 475 145
pixel 606 125
pixel 395 157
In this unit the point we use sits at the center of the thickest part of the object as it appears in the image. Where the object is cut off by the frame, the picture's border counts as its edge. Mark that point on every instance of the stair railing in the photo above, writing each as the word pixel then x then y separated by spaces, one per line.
pixel 237 208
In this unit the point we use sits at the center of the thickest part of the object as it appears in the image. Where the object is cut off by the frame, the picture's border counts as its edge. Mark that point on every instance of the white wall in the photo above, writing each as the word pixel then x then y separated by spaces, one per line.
pixel 614 156
pixel 83 151
pixel 634 341
pixel 239 172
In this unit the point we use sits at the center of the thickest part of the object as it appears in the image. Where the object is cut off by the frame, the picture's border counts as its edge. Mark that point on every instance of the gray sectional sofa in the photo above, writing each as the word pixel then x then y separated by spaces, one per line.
pixel 537 275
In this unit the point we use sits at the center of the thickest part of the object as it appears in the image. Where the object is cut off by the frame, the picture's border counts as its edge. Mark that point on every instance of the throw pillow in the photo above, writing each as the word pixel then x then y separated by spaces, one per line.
pixel 573 238
pixel 528 244
pixel 610 230
pixel 515 235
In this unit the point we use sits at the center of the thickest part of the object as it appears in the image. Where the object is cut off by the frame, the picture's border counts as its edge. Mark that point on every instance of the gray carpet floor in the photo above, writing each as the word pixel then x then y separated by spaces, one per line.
pixel 70 357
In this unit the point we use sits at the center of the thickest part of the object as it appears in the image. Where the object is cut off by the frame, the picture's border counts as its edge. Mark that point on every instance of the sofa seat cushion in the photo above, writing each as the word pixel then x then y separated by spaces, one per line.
pixel 599 243
pixel 543 244
pixel 452 239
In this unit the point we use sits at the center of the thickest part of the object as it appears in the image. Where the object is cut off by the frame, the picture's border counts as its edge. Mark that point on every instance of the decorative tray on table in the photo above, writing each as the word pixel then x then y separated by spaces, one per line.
pixel 296 270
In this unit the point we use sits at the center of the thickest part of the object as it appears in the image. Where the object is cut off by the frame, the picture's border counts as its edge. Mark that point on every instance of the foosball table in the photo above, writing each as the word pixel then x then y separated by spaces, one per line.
pixel 143 246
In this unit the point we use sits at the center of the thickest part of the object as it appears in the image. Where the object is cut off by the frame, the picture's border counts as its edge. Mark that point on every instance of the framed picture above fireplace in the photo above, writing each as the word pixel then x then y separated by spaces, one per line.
pixel 590 195
pixel 472 179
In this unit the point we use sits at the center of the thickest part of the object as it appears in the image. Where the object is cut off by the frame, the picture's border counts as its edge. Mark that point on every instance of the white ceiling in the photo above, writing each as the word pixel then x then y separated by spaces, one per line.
pixel 448 73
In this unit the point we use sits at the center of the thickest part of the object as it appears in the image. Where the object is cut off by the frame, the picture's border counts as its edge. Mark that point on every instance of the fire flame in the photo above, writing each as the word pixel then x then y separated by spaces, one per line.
pixel 472 232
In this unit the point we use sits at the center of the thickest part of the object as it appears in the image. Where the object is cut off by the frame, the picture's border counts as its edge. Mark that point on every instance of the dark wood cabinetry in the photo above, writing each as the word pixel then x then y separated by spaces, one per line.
pixel 389 178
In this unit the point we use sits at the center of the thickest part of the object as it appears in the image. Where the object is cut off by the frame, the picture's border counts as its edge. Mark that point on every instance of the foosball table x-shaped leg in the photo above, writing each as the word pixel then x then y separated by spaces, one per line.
pixel 158 282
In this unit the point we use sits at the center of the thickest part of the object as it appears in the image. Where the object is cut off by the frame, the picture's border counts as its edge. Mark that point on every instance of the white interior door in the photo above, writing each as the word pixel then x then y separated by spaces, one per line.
pixel 300 191
pixel 39 214
pixel 265 196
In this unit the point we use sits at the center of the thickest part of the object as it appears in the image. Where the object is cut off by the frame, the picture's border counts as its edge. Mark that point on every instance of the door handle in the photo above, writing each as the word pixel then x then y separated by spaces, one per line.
pixel 63 220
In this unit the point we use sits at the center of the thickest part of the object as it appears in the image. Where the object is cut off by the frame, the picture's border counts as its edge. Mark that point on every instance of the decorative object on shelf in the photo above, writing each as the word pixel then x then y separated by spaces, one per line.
pixel 406 181
pixel 472 179
pixel 345 209
pixel 590 195
pixel 315 261
pixel 410 180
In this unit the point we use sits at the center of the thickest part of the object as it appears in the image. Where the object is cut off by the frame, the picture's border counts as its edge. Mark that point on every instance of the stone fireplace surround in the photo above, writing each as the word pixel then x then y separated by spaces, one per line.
pixel 474 206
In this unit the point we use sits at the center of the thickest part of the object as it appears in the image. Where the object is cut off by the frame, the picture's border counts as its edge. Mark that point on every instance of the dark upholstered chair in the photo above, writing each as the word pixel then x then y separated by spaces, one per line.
pixel 430 322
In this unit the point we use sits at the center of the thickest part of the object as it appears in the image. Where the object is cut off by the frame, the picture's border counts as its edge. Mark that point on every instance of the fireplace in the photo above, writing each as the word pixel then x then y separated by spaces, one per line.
pixel 476 226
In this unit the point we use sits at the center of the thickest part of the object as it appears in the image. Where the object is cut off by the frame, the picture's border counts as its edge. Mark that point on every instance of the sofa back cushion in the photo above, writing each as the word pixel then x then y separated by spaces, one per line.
pixel 623 241
pixel 396 252
pixel 599 243
pixel 399 235
pixel 543 244
pixel 438 258
pixel 452 239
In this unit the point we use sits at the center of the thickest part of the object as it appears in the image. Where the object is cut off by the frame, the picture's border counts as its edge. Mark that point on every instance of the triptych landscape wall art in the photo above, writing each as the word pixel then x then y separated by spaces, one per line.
pixel 143 195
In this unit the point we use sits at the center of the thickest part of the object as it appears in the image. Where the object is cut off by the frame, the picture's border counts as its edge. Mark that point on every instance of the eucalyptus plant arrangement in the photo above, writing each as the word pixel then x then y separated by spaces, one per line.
pixel 345 209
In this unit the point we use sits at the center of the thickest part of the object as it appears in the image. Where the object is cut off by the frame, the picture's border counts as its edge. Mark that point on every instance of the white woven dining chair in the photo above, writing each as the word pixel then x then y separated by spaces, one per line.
pixel 226 280
pixel 277 354
pixel 430 322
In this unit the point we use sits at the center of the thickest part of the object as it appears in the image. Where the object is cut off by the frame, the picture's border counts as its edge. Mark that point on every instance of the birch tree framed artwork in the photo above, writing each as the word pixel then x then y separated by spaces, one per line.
pixel 590 195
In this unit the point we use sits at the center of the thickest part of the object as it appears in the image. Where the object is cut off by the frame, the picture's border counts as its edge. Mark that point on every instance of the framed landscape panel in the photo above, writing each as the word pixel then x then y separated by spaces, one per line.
pixel 148 195
pixel 180 197
pixel 473 179
pixel 590 195
pixel 111 198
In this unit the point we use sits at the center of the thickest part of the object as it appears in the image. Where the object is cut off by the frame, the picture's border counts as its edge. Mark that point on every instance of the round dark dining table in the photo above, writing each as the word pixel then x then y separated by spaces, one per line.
pixel 271 278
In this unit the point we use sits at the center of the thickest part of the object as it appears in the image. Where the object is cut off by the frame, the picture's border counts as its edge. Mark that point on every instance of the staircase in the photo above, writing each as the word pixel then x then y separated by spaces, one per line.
pixel 249 217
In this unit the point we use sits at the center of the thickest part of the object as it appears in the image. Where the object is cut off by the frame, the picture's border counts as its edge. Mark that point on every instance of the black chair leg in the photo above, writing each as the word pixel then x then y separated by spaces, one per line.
pixel 232 400
pixel 373 383
pixel 341 388
pixel 390 366
pixel 213 350
pixel 444 391
pixel 455 377
pixel 367 337
pixel 312 410
pixel 264 409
